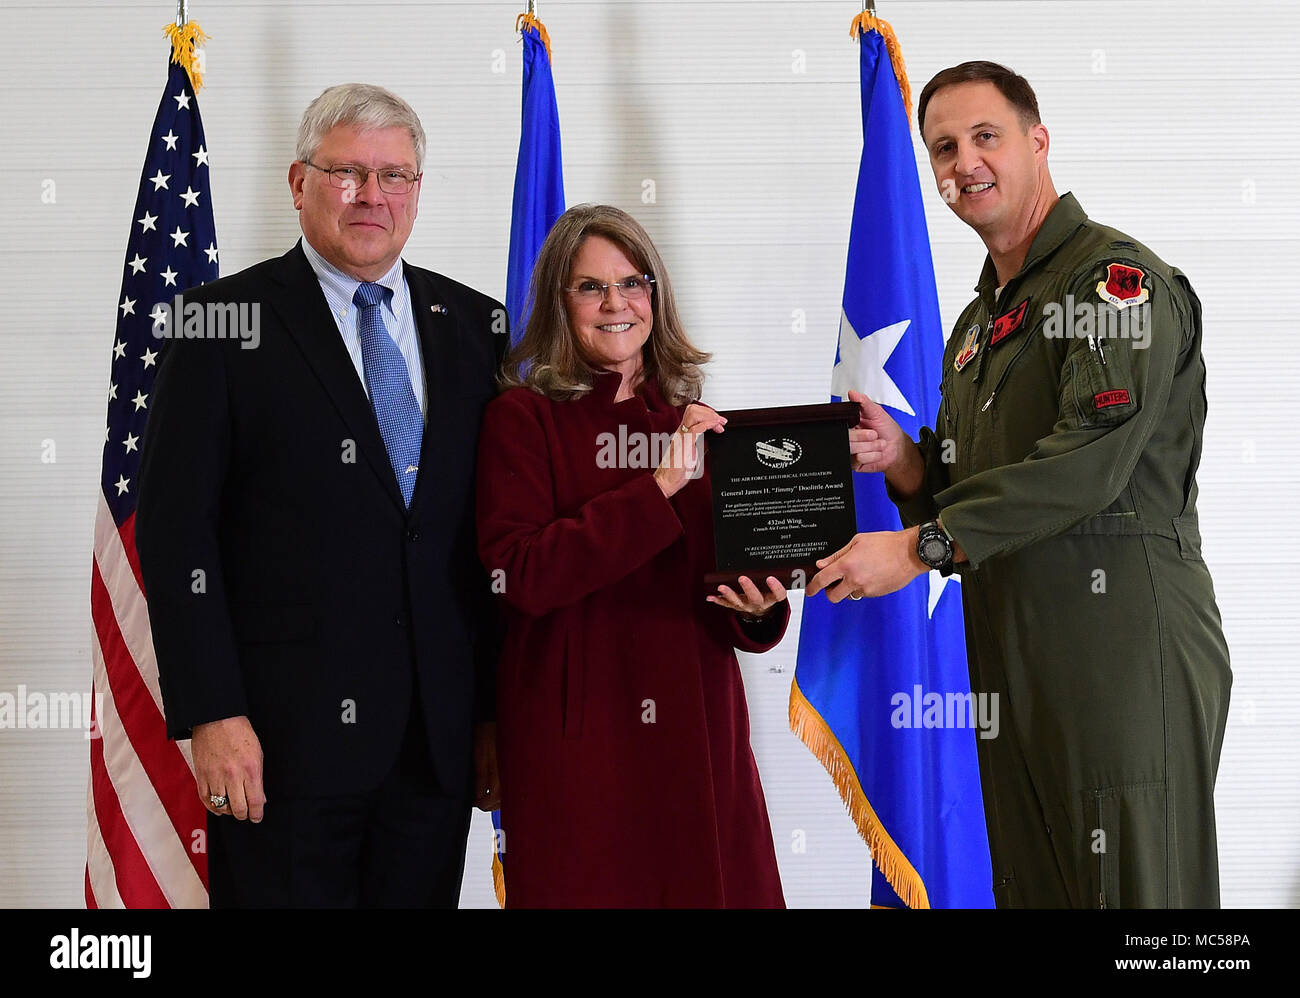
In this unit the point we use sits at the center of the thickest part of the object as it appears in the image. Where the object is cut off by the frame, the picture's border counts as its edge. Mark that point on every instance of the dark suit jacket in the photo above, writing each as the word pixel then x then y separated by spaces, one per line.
pixel 285 578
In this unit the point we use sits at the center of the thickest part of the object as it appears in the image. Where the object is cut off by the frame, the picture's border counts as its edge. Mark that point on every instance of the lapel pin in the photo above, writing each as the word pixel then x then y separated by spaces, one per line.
pixel 438 309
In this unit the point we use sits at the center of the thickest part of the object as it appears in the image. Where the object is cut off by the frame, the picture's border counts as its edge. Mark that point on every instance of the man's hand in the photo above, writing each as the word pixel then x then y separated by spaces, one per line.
pixel 228 762
pixel 879 444
pixel 487 781
pixel 869 565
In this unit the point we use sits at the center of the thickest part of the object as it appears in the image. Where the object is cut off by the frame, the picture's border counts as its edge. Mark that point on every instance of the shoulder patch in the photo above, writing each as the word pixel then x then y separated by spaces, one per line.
pixel 1007 323
pixel 1123 285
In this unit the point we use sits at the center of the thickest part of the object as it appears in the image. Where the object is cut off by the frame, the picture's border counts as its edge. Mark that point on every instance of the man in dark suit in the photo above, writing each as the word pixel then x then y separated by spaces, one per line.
pixel 305 526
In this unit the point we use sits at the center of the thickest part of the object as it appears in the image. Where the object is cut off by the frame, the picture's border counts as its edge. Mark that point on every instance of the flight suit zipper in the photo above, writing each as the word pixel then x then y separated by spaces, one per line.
pixel 1006 371
pixel 1101 858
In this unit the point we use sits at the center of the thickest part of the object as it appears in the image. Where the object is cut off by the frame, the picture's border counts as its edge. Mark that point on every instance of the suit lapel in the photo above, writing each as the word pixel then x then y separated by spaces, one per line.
pixel 439 347
pixel 301 305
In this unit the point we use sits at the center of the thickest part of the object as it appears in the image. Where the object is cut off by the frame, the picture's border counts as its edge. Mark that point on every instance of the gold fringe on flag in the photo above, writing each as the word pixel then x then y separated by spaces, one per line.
pixel 811 729
pixel 498 878
pixel 865 22
pixel 186 39
pixel 531 21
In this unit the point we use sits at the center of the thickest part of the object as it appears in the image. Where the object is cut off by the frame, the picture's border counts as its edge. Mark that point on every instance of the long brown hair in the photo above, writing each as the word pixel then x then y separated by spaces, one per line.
pixel 547 358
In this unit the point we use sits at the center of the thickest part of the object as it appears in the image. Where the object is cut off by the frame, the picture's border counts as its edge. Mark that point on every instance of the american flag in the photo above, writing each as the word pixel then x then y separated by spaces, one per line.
pixel 146 835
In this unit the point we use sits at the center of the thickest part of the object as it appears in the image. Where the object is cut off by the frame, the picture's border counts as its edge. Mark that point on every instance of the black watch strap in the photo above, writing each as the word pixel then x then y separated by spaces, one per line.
pixel 935 548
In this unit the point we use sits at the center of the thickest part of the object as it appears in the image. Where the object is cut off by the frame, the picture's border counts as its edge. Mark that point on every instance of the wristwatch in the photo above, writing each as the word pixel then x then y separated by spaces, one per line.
pixel 934 547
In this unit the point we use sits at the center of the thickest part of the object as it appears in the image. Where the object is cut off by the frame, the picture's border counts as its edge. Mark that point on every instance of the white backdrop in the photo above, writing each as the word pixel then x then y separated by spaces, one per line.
pixel 1175 121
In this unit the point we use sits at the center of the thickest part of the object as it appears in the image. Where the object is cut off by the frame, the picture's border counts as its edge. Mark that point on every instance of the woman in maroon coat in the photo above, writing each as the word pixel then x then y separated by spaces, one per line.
pixel 622 734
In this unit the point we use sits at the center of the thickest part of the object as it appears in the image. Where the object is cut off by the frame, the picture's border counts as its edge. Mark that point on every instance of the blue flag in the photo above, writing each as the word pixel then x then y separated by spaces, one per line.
pixel 868 670
pixel 539 175
pixel 538 202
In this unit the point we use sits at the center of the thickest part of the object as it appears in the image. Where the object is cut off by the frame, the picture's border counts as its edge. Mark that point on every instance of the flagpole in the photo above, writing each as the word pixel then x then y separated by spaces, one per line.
pixel 182 13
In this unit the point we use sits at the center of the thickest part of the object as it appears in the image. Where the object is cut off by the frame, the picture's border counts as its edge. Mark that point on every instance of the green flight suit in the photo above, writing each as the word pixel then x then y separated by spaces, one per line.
pixel 1063 461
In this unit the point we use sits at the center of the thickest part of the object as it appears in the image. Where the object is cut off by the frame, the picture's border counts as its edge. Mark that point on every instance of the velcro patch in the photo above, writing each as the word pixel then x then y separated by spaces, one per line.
pixel 1007 323
pixel 1116 396
pixel 1122 286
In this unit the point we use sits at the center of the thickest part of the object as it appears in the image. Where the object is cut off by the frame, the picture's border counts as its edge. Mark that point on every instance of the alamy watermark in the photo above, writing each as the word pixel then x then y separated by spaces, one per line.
pixel 214 320
pixel 919 709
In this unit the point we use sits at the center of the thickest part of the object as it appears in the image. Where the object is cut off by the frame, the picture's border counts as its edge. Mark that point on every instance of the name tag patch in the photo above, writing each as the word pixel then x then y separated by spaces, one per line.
pixel 1116 396
pixel 1007 323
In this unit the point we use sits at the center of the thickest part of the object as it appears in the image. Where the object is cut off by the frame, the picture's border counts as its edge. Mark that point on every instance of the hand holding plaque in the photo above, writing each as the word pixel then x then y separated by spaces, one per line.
pixel 782 491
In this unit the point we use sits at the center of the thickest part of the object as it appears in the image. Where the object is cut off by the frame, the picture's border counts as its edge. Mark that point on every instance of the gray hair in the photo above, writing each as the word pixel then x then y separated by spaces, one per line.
pixel 364 105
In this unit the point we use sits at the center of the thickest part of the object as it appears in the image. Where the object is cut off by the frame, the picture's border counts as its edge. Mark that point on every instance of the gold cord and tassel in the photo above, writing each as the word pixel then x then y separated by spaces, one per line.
pixel 186 40
pixel 865 22
pixel 532 21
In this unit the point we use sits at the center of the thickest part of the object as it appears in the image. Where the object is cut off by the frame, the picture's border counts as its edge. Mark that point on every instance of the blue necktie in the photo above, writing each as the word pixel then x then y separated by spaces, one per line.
pixel 389 383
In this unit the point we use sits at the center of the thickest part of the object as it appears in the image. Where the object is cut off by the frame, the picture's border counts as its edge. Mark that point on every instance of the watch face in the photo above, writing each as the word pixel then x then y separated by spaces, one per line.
pixel 934 551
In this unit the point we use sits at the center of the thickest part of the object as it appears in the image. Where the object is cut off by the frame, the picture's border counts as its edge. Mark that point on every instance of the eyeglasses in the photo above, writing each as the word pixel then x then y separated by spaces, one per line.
pixel 350 177
pixel 636 288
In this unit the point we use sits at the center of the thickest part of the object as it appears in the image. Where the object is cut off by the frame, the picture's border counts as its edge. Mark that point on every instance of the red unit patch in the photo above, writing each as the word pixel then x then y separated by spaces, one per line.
pixel 1104 400
pixel 1006 324
pixel 1122 286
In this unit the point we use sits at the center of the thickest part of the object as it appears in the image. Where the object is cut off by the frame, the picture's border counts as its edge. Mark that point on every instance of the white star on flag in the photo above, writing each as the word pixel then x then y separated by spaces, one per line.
pixel 139 400
pixel 127 306
pixel 937 583
pixel 190 197
pixel 130 442
pixel 146 223
pixel 119 349
pixel 149 356
pixel 159 180
pixel 862 364
pixel 179 237
pixel 121 484
pixel 159 314
pixel 137 265
pixel 169 276
pixel 182 101
pixel 200 157
pixel 170 139
pixel 211 251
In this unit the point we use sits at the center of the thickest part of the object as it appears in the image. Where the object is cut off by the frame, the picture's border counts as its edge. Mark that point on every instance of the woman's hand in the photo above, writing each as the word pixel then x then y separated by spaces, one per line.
pixel 684 459
pixel 750 601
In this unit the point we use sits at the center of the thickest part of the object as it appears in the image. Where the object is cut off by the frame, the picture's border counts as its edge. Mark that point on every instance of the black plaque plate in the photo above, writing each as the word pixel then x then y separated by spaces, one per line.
pixel 782 484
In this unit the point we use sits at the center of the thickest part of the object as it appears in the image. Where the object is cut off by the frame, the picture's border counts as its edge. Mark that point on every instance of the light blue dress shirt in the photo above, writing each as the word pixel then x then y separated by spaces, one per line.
pixel 399 318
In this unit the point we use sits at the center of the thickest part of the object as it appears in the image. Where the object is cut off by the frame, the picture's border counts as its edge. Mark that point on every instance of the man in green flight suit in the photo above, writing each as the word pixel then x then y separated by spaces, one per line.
pixel 1060 479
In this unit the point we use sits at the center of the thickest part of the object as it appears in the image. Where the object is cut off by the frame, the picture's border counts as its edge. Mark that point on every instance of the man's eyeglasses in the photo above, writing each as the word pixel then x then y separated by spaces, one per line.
pixel 636 288
pixel 349 177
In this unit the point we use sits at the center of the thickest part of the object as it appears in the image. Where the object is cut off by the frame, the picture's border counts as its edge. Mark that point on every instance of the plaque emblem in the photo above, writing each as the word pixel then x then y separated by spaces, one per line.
pixel 779 453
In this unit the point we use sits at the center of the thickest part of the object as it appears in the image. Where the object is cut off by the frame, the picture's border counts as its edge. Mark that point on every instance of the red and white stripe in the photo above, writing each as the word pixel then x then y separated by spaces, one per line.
pixel 147 832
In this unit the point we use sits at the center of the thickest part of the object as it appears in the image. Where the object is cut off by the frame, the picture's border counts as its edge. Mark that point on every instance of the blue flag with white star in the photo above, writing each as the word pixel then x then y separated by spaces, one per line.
pixel 868 671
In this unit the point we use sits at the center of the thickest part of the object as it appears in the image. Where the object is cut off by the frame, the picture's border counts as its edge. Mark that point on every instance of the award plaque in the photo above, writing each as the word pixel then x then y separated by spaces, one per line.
pixel 782 484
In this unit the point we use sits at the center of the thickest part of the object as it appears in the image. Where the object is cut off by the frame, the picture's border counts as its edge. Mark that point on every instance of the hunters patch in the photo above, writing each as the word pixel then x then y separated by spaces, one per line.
pixel 1007 323
pixel 970 346
pixel 1122 286
pixel 1116 396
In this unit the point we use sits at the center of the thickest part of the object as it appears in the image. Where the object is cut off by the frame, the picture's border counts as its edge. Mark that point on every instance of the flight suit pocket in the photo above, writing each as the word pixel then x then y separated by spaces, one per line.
pixel 1102 383
pixel 1126 842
